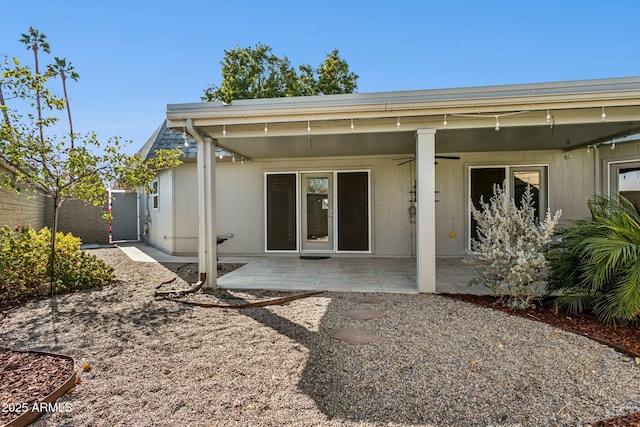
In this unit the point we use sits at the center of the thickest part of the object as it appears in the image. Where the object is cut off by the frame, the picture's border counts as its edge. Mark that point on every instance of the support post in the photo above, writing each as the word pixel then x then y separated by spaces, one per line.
pixel 207 251
pixel 426 210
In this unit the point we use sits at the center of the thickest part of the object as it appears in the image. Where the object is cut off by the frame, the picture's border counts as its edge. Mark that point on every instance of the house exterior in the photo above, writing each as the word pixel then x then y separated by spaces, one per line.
pixel 385 174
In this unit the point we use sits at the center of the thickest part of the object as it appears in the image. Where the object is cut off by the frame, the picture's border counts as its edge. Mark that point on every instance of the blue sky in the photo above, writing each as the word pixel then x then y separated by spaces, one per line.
pixel 135 57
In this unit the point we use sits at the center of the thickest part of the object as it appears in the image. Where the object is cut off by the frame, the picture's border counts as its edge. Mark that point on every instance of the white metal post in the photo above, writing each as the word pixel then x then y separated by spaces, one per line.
pixel 426 210
pixel 206 161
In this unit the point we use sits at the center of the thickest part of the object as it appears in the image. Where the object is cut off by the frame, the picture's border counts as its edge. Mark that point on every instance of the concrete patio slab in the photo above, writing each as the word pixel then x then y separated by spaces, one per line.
pixel 336 273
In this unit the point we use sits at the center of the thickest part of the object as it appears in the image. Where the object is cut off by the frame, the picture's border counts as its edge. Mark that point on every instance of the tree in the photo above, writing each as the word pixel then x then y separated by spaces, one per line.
pixel 334 76
pixel 249 73
pixel 64 70
pixel 35 41
pixel 36 158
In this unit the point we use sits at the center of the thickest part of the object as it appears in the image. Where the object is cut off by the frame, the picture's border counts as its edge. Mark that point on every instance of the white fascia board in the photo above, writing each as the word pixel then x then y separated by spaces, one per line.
pixel 558 95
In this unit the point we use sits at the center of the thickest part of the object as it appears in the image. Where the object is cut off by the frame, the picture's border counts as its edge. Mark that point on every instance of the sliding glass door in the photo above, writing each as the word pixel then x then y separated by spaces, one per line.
pixel 318 211
pixel 516 179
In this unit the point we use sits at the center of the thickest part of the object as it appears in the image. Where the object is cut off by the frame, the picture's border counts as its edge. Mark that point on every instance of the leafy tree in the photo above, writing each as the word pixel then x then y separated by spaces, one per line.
pixel 596 261
pixel 334 76
pixel 35 158
pixel 249 73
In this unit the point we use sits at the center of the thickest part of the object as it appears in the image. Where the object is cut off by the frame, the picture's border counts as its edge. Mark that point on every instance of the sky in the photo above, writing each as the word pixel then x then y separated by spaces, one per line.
pixel 135 57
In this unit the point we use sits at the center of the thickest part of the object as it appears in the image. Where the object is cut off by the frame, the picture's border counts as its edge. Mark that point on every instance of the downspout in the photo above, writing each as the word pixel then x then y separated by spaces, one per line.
pixel 202 267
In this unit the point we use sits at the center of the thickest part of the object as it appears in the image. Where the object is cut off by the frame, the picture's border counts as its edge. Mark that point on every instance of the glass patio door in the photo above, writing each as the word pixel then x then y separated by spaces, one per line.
pixel 317 211
pixel 516 179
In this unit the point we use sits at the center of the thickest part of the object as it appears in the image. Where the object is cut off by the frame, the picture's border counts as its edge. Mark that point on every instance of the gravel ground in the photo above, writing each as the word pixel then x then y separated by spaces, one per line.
pixel 440 362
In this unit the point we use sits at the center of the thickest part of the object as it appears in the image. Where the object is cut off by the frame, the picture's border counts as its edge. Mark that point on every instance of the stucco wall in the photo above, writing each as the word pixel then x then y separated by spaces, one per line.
pixel 159 221
pixel 574 177
pixel 185 234
pixel 240 200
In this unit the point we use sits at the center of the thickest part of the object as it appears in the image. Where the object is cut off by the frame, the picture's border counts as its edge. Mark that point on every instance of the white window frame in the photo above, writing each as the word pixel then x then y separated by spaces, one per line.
pixel 508 169
pixel 155 194
pixel 613 166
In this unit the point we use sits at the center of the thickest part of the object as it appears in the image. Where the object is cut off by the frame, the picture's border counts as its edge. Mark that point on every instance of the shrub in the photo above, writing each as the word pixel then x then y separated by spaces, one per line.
pixel 24 263
pixel 508 255
pixel 596 262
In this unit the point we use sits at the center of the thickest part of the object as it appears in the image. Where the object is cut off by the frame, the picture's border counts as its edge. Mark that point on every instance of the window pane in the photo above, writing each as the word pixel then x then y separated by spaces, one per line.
pixel 353 211
pixel 520 181
pixel 482 182
pixel 281 211
pixel 317 190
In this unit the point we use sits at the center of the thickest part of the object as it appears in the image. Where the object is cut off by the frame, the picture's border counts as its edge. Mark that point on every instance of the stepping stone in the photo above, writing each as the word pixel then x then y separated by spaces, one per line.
pixel 368 300
pixel 354 336
pixel 358 314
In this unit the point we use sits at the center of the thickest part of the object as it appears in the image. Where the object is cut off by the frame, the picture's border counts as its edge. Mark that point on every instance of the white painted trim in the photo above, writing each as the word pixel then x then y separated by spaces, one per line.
pixel 156 194
pixel 609 168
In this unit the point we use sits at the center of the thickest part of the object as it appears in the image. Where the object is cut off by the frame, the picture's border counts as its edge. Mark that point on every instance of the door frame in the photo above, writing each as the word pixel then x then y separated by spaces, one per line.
pixel 334 202
pixel 305 245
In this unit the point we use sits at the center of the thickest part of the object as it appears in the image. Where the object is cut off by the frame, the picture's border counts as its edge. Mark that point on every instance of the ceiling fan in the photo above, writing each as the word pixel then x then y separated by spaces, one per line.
pixel 413 158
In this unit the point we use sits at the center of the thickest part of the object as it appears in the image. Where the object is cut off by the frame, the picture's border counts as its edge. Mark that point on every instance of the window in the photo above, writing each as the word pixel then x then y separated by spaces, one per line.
pixel 625 180
pixel 154 194
pixel 516 178
pixel 281 212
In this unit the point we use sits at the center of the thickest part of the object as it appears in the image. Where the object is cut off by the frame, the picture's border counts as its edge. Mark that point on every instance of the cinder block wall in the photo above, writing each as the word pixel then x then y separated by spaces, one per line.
pixel 19 209
pixel 82 220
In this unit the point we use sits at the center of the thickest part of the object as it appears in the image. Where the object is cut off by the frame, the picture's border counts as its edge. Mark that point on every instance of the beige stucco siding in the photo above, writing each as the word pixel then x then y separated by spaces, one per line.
pixel 185 234
pixel 239 207
pixel 159 222
pixel 240 196
pixel 240 200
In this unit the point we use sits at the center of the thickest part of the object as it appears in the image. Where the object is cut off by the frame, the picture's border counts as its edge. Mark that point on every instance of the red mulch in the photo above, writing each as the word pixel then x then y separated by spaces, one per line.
pixel 28 378
pixel 623 337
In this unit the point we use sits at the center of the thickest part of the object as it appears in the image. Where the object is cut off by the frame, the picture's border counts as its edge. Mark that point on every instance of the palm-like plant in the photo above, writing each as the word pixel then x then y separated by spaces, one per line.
pixel 64 70
pixel 35 40
pixel 596 261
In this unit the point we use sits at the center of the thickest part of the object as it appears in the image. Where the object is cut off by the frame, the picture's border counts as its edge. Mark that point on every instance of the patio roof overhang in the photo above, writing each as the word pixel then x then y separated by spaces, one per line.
pixel 563 115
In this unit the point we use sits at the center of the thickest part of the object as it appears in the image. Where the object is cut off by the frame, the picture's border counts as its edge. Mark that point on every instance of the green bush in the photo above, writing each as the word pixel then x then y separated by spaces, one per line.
pixel 595 265
pixel 24 263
